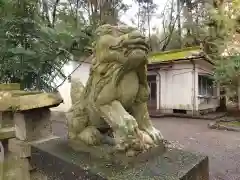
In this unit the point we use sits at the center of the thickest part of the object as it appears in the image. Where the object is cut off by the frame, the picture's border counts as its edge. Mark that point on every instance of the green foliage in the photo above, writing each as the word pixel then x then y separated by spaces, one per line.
pixel 227 70
pixel 31 52
pixel 72 22
pixel 221 29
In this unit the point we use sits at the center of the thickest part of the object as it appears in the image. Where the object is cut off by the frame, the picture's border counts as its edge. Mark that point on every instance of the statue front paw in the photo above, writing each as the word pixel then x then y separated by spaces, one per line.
pixel 155 134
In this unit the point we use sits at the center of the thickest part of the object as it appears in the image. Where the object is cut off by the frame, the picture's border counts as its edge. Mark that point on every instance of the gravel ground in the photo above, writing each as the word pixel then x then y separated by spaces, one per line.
pixel 222 147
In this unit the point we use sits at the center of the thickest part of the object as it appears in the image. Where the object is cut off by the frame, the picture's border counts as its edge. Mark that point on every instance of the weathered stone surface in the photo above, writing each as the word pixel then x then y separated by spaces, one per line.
pixel 6 119
pixel 33 125
pixel 35 175
pixel 113 104
pixel 108 154
pixel 20 148
pixel 23 100
pixel 7 133
pixel 60 162
pixel 10 86
pixel 16 168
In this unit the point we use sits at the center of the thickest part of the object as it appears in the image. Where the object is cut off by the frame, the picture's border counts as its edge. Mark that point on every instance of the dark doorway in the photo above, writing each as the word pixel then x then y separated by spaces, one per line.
pixel 152 83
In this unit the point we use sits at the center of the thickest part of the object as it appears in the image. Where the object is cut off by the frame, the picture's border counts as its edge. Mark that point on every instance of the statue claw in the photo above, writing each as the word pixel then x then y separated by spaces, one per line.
pixel 155 134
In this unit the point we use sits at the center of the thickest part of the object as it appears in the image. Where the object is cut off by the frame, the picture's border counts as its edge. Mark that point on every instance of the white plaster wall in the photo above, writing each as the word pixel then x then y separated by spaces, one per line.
pixel 82 73
pixel 176 87
pixel 175 90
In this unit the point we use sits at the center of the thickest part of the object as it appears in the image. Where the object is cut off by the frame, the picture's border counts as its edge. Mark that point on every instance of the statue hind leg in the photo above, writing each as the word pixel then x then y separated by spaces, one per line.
pixel 77 121
pixel 79 128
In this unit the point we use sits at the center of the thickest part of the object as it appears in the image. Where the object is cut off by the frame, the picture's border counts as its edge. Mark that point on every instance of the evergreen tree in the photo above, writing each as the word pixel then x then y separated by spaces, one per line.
pixel 31 53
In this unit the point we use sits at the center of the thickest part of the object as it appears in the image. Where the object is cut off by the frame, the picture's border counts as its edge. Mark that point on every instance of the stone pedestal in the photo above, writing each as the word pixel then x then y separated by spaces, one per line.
pixel 20 148
pixel 58 161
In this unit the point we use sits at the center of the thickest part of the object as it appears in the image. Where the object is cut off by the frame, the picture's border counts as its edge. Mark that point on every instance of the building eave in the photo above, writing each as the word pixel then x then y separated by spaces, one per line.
pixel 164 64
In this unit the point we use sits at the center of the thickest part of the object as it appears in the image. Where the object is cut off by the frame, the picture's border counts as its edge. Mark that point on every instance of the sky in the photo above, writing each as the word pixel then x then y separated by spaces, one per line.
pixel 155 22
pixel 126 18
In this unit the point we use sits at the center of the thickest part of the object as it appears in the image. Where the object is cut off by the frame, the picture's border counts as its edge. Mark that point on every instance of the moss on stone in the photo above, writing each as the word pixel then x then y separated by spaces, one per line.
pixel 231 123
pixel 10 86
pixel 7 133
pixel 15 167
pixel 16 93
pixel 173 55
pixel 23 100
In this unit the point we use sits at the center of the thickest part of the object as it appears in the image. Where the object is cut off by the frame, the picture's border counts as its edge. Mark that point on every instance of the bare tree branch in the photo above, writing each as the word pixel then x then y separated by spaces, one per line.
pixel 46 11
pixel 54 12
pixel 171 27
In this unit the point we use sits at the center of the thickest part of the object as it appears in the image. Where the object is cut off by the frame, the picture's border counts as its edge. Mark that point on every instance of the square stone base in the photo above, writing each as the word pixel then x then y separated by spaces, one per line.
pixel 20 148
pixel 16 168
pixel 58 161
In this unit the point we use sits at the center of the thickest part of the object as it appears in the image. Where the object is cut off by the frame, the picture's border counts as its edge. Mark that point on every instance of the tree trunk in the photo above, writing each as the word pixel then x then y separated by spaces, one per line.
pixel 223 106
pixel 108 14
pixel 179 22
pixel 149 28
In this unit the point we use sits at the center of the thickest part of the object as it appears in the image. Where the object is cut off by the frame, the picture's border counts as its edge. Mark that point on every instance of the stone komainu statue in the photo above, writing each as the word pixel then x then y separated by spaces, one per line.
pixel 112 108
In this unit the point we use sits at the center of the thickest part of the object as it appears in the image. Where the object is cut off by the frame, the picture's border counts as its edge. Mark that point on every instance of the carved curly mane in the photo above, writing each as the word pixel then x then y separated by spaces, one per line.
pixel 109 67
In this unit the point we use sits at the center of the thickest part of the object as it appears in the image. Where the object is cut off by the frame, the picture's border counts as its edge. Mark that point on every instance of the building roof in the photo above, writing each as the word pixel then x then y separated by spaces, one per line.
pixel 166 56
pixel 179 54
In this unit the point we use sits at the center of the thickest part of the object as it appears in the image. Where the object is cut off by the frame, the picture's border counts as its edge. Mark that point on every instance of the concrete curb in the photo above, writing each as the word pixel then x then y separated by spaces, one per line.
pixel 187 116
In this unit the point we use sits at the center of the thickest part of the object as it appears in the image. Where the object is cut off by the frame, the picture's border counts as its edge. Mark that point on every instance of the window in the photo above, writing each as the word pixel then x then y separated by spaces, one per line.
pixel 205 85
pixel 153 90
pixel 153 87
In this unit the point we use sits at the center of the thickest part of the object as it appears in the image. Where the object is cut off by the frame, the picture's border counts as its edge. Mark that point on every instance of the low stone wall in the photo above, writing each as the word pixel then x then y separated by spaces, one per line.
pixel 219 124
pixel 210 116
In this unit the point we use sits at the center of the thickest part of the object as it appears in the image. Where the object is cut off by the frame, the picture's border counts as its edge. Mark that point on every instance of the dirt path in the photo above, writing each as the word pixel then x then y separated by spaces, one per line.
pixel 222 147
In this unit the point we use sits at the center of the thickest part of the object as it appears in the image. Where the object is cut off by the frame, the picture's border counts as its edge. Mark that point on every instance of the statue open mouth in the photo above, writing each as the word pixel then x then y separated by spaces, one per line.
pixel 135 44
pixel 131 45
